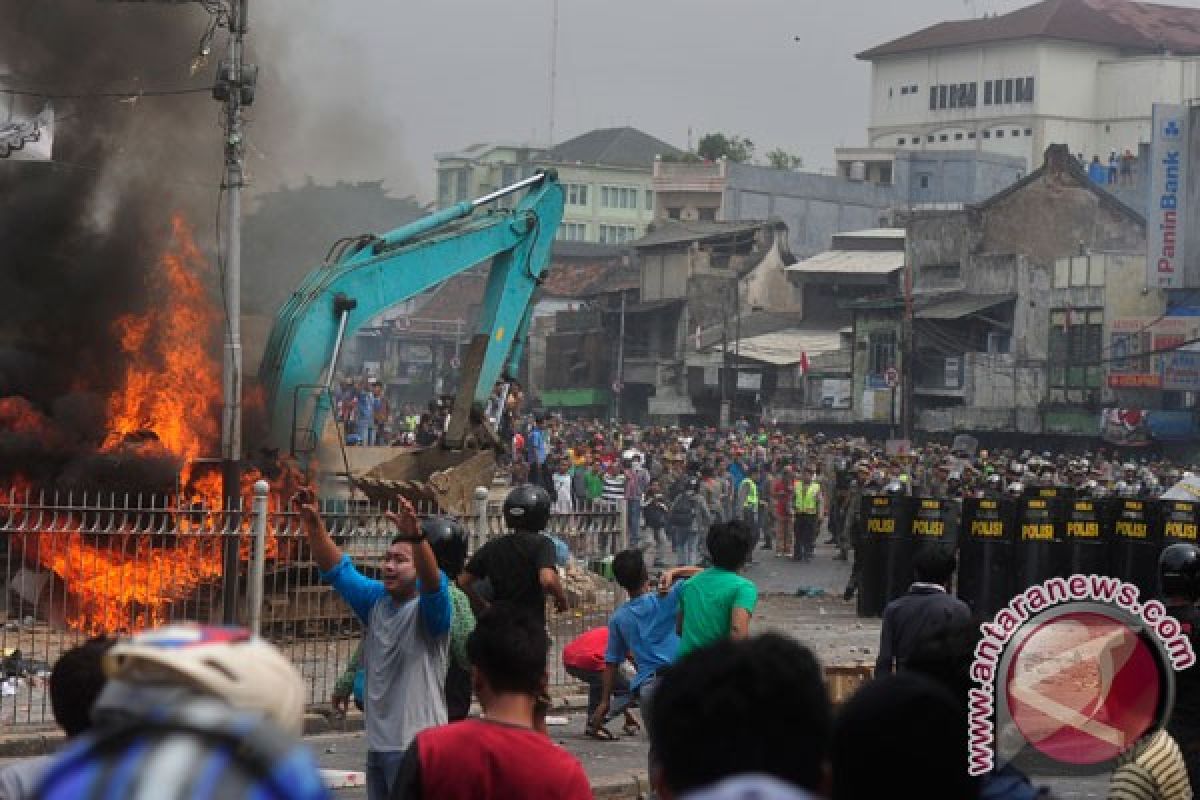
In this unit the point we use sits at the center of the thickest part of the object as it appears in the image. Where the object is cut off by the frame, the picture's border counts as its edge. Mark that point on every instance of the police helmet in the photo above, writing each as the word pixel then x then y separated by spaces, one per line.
pixel 527 508
pixel 1179 570
pixel 894 488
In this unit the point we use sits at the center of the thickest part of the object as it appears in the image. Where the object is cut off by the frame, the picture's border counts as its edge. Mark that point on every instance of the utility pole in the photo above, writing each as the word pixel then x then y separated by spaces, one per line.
pixel 235 89
pixel 553 67
pixel 908 348
pixel 619 383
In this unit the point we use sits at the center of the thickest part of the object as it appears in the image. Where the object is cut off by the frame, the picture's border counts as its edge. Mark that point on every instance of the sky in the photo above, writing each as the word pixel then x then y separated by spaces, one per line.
pixel 384 85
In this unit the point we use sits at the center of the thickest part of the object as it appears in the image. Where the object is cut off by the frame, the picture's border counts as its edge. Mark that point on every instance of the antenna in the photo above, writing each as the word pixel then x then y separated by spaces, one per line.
pixel 553 67
pixel 971 6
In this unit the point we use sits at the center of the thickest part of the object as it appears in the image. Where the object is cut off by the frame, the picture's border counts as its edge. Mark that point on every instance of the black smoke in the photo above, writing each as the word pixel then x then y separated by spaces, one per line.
pixel 80 237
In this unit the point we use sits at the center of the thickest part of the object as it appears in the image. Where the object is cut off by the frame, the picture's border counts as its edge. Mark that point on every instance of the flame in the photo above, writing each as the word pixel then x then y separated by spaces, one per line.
pixel 172 384
pixel 171 387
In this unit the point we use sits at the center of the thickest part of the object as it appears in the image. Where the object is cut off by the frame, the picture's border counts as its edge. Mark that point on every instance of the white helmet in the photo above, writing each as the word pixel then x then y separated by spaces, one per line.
pixel 245 671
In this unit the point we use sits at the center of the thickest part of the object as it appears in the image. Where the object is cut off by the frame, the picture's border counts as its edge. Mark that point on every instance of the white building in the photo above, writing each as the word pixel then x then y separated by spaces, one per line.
pixel 1078 72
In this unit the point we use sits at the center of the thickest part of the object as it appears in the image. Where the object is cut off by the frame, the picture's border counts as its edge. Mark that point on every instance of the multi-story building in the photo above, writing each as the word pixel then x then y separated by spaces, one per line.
pixel 815 206
pixel 482 168
pixel 607 175
pixel 1083 73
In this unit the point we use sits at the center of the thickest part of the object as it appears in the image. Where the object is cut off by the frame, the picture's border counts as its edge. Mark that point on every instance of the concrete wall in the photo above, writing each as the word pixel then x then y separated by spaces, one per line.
pixel 956 176
pixel 767 286
pixel 814 206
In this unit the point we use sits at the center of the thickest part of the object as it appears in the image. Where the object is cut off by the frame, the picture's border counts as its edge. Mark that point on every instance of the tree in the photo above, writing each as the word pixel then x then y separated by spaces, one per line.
pixel 781 159
pixel 717 145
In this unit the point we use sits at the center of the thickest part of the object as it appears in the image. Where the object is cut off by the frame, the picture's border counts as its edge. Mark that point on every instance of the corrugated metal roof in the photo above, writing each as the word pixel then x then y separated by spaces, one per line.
pixel 671 232
pixel 872 233
pixel 852 262
pixel 962 306
pixel 784 347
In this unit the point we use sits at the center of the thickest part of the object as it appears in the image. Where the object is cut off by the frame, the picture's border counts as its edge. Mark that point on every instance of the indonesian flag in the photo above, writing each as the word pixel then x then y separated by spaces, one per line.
pixel 803 362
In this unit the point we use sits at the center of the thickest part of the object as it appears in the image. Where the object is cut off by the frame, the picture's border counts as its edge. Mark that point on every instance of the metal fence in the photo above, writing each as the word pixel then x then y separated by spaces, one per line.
pixel 77 566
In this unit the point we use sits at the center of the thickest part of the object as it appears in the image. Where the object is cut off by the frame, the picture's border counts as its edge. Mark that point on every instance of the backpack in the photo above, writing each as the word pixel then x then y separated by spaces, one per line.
pixel 683 513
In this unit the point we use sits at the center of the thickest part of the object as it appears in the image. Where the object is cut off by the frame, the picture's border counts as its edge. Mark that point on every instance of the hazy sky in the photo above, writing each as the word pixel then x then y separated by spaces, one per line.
pixel 385 85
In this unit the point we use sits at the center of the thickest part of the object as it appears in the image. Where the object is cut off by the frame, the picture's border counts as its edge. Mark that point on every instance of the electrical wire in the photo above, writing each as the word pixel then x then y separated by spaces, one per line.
pixel 124 95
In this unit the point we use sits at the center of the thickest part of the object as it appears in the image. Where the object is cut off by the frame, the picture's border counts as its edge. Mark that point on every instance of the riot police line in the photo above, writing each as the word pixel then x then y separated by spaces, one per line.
pixel 1005 545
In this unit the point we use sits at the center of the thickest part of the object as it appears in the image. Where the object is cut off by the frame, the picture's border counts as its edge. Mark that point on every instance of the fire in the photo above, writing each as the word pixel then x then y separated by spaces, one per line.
pixel 171 388
pixel 172 385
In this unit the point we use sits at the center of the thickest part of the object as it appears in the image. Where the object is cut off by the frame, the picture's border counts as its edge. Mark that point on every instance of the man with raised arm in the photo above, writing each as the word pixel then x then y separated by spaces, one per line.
pixel 407 618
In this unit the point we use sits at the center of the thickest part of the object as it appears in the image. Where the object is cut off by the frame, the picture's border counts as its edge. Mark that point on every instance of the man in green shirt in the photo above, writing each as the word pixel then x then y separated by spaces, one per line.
pixel 717 604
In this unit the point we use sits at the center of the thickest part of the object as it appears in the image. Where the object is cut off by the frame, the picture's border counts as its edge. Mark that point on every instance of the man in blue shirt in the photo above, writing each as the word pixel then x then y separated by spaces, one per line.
pixel 407 638
pixel 644 626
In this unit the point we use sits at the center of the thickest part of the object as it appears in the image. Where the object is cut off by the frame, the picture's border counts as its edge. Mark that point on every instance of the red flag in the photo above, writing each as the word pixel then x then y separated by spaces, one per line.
pixel 803 362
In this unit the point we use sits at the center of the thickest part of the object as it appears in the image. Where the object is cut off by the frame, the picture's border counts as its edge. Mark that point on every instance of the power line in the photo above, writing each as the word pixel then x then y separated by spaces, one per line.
pixel 124 95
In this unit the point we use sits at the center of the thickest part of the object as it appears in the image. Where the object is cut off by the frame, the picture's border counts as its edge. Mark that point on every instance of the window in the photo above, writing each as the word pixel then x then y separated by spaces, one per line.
pixel 577 194
pixel 945 137
pixel 987 134
pixel 933 98
pixel 508 175
pixel 572 232
pixel 1000 134
pixel 1078 271
pixel 617 234
pixel 618 197
pixel 943 92
pixel 954 95
pixel 1029 131
pixel 1029 90
pixel 649 200
pixel 930 138
pixel 987 93
pixel 1076 345
pixel 1008 90
pixel 900 141
pixel 706 214
pixel 958 137
pixel 674 212
pixel 1020 93
pixel 882 350
pixel 885 175
pixel 970 134
pixel 1016 133
pixel 460 188
pixel 912 89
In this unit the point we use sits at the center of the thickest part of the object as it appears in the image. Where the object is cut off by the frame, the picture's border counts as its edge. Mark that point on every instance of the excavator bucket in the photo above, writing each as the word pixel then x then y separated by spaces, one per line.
pixel 446 478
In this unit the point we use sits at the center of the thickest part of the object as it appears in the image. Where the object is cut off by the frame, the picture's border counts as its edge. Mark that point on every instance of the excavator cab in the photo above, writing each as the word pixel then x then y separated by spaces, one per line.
pixel 373 273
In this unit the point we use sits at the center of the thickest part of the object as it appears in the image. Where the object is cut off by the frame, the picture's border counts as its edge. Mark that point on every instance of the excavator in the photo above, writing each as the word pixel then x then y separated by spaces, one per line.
pixel 368 274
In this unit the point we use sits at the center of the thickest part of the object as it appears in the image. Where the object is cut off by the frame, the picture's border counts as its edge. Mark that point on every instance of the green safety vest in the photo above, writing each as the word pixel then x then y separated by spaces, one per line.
pixel 806 497
pixel 751 493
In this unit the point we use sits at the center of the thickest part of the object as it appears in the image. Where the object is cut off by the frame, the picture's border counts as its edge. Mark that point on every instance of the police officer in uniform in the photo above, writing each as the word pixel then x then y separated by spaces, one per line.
pixel 1179 577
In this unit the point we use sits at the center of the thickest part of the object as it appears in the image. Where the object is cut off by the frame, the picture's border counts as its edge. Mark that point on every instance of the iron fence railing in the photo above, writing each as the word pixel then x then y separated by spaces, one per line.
pixel 75 566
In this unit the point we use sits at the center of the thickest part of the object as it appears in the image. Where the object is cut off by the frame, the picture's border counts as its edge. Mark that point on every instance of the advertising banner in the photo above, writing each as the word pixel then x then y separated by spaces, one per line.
pixel 1166 210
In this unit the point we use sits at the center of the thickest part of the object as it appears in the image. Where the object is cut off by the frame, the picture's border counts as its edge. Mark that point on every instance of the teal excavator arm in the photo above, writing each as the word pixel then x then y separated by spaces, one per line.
pixel 337 299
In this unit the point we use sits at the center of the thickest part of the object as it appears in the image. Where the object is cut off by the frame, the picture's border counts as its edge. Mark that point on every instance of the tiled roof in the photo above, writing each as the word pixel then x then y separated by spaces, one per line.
pixel 457 298
pixel 611 147
pixel 575 279
pixel 1142 27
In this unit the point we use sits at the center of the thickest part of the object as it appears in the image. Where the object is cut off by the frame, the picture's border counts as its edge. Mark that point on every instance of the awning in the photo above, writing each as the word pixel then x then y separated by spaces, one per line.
pixel 851 266
pixel 784 347
pixel 962 306
pixel 575 398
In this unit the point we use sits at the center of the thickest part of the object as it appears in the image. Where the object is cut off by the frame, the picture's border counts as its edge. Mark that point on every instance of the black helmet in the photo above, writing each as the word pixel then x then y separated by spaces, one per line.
pixel 527 508
pixel 448 538
pixel 1179 570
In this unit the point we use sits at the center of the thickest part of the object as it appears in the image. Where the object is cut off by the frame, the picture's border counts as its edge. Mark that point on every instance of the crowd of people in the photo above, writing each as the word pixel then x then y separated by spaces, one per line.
pixel 729 712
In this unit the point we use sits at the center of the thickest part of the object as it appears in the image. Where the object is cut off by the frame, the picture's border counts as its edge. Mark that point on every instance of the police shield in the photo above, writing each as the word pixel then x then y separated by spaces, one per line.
pixel 929 527
pixel 985 572
pixel 1136 536
pixel 1085 538
pixel 1038 537
pixel 1179 522
pixel 882 548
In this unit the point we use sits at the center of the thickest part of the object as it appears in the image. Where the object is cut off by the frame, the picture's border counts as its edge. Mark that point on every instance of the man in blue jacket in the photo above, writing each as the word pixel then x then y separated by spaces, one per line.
pixel 407 637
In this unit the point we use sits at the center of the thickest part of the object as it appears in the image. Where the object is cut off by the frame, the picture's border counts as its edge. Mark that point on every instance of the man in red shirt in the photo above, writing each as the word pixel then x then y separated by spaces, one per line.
pixel 503 755
pixel 583 658
pixel 781 494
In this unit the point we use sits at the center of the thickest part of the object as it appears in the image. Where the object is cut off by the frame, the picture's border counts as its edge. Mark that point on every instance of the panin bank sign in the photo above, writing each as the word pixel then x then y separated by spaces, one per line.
pixel 1165 222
